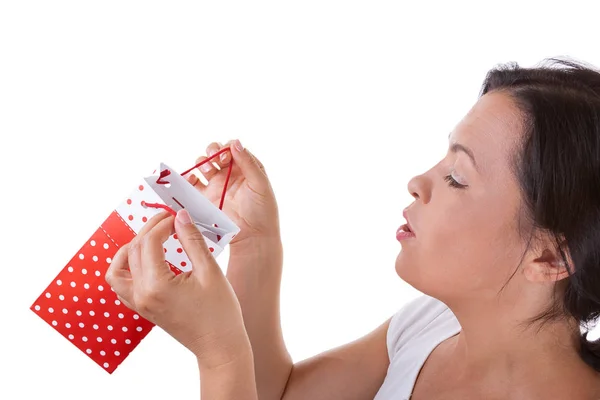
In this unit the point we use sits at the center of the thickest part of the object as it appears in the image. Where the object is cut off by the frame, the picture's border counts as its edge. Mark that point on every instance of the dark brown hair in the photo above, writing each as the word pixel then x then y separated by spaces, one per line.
pixel 557 165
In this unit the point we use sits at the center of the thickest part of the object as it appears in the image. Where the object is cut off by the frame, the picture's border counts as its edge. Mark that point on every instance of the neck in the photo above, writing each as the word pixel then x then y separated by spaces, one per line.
pixel 496 343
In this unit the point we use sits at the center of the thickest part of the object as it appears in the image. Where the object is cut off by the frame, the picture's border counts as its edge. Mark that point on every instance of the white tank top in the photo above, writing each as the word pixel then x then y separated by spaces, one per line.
pixel 414 331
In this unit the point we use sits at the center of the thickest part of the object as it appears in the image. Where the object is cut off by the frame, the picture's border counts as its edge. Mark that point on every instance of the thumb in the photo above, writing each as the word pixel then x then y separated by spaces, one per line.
pixel 118 275
pixel 193 243
pixel 252 169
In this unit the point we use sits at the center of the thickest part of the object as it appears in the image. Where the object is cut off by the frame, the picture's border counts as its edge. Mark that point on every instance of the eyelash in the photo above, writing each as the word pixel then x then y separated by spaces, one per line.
pixel 453 183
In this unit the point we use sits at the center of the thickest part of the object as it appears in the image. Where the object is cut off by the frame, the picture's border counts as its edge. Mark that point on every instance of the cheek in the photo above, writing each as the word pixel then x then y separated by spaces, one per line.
pixel 434 259
pixel 431 259
pixel 455 258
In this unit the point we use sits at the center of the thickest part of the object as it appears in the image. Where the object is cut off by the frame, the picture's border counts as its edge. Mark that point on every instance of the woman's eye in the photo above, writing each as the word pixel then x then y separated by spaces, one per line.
pixel 453 183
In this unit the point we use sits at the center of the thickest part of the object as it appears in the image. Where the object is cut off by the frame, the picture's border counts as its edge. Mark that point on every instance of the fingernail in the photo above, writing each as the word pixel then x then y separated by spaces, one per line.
pixel 184 217
pixel 238 145
pixel 223 157
pixel 206 167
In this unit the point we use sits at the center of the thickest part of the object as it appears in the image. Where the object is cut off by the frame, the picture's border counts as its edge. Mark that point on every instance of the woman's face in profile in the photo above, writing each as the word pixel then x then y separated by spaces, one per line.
pixel 467 243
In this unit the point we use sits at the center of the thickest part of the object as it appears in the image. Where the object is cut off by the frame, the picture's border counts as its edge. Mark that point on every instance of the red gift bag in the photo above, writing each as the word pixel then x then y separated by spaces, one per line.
pixel 83 308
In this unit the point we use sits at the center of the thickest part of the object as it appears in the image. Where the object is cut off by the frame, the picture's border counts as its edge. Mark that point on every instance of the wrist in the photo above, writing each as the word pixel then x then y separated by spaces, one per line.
pixel 259 248
pixel 225 357
pixel 234 379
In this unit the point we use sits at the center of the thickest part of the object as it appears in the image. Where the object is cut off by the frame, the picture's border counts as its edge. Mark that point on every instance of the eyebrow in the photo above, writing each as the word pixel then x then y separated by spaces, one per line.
pixel 456 147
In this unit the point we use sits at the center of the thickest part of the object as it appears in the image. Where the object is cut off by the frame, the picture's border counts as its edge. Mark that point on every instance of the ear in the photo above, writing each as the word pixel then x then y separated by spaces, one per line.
pixel 549 266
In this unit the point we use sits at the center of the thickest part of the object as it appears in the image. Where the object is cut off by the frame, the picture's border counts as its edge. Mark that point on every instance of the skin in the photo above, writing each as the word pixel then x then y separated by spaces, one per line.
pixel 466 248
pixel 477 248
pixel 198 308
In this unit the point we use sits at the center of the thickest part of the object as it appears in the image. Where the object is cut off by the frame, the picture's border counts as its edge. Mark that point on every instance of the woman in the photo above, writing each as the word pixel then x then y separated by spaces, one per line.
pixel 505 246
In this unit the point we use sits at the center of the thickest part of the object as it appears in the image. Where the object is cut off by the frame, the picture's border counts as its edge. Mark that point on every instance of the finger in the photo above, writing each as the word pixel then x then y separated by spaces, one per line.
pixel 134 248
pixel 251 168
pixel 195 181
pixel 225 158
pixel 207 169
pixel 135 264
pixel 152 222
pixel 126 302
pixel 257 161
pixel 221 160
pixel 118 275
pixel 152 255
pixel 194 245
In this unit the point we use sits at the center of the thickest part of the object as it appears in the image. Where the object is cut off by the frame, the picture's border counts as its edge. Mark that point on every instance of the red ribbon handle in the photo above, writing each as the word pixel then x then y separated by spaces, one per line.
pixel 164 174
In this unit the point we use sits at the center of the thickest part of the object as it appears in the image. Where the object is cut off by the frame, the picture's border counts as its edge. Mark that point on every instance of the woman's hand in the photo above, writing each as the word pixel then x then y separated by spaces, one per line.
pixel 256 257
pixel 198 308
pixel 249 201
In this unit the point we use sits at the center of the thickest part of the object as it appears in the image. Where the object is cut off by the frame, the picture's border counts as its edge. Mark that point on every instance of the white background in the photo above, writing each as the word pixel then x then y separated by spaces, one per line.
pixel 343 101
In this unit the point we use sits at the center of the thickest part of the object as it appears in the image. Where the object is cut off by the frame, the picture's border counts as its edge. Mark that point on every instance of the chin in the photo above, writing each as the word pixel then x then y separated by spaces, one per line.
pixel 425 280
pixel 411 272
pixel 406 269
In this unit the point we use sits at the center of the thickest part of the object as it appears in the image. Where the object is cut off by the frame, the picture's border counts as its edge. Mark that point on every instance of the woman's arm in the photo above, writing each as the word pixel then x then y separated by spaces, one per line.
pixel 198 307
pixel 354 371
pixel 233 380
pixel 255 275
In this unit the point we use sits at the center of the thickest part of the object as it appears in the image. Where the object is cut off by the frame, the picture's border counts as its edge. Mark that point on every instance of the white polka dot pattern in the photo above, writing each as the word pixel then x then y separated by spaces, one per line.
pixel 89 324
pixel 80 304
pixel 135 214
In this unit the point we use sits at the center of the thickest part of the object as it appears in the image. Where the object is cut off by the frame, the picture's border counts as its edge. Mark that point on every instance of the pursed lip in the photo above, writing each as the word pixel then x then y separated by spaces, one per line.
pixel 405 215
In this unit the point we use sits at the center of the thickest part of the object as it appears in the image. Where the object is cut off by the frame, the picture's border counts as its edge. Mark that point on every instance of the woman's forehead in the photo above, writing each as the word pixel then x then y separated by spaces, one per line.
pixel 490 128
pixel 495 114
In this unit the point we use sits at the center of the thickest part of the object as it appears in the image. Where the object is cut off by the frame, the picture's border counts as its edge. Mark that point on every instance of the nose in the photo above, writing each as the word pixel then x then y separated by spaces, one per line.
pixel 419 188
